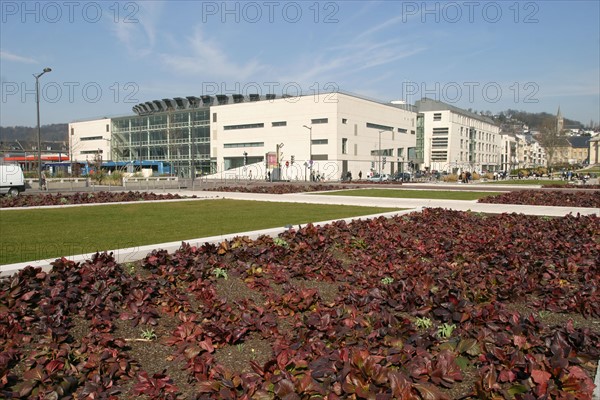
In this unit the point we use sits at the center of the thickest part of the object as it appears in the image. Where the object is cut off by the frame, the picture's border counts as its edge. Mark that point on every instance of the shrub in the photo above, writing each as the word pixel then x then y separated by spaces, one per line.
pixel 451 178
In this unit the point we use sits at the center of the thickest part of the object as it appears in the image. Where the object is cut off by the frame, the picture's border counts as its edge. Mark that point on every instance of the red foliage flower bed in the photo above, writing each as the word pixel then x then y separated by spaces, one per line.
pixel 277 189
pixel 553 198
pixel 433 305
pixel 82 198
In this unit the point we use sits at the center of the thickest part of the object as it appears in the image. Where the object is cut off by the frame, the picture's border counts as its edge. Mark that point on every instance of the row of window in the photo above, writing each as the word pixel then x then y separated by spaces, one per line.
pixel 243 126
pixel 262 144
pixel 248 144
pixel 262 125
pixel 86 138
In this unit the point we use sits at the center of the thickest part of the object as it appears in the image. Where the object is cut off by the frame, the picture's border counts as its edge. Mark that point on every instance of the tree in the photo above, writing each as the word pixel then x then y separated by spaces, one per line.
pixel 551 140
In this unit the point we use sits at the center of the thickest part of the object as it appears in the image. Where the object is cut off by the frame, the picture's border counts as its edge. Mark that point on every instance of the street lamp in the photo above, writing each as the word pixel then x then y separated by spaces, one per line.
pixel 39 135
pixel 278 148
pixel 309 151
pixel 380 132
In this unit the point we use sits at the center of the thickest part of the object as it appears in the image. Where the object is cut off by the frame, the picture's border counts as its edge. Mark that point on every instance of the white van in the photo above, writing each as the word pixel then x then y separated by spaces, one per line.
pixel 12 181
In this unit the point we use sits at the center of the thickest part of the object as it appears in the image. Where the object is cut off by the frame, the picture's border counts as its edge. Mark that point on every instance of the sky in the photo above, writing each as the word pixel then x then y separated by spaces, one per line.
pixel 107 56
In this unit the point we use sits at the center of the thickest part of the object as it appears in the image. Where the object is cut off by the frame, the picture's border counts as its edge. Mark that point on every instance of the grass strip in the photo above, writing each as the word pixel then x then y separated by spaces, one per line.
pixel 28 235
pixel 415 194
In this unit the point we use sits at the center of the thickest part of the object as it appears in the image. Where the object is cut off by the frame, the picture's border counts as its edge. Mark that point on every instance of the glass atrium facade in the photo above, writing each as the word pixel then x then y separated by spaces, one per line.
pixel 178 138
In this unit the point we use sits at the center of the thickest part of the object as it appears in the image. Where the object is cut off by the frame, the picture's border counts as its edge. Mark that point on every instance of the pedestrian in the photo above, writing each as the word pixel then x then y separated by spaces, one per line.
pixel 44 187
pixel 359 175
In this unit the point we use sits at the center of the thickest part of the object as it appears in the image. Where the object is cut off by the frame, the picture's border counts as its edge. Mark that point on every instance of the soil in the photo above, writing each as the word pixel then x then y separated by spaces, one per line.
pixel 145 342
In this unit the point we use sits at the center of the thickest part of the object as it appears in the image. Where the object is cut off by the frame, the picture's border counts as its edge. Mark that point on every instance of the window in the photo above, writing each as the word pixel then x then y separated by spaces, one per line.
pixel 279 123
pixel 439 155
pixel 91 138
pixel 344 120
pixel 320 141
pixel 214 117
pixel 380 127
pixel 98 151
pixel 402 130
pixel 412 132
pixel 344 146
pixel 440 131
pixel 437 116
pixel 107 128
pixel 439 142
pixel 248 144
pixel 244 126
pixel 319 121
pixel 384 152
pixel 72 131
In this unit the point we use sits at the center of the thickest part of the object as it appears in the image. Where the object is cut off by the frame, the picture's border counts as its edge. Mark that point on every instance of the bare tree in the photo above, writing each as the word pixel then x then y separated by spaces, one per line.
pixel 553 142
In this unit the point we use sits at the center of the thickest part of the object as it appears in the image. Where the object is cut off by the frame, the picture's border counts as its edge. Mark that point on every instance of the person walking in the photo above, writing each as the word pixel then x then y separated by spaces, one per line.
pixel 44 187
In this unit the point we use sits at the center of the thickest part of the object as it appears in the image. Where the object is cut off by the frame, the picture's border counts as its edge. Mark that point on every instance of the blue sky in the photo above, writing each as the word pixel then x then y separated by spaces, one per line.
pixel 108 56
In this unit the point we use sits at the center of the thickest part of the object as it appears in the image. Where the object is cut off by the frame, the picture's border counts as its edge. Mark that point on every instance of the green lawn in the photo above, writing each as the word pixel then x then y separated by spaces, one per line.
pixel 37 234
pixel 414 194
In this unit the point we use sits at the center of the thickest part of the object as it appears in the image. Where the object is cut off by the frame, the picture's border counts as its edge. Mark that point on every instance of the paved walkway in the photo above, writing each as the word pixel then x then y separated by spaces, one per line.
pixel 409 205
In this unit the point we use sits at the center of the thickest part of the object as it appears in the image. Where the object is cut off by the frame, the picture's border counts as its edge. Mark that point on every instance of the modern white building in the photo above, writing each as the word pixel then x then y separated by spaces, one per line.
pixel 454 139
pixel 328 134
pixel 90 140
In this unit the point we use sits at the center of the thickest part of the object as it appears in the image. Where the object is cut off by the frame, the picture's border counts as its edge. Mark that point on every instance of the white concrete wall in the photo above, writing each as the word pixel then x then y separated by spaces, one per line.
pixel 297 112
pixel 81 149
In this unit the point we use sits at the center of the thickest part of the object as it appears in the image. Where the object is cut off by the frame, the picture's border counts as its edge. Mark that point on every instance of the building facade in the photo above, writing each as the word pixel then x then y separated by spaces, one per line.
pixel 509 152
pixel 90 140
pixel 455 140
pixel 530 153
pixel 594 150
pixel 329 134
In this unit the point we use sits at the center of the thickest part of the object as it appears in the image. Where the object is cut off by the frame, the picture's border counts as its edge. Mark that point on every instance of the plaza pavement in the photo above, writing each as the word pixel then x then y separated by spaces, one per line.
pixel 407 205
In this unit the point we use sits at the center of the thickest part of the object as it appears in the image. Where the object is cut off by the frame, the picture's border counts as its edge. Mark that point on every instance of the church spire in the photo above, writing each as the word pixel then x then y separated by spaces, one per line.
pixel 560 122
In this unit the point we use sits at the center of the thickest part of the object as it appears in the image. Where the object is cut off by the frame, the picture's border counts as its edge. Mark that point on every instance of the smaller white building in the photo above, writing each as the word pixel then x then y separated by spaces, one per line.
pixel 90 140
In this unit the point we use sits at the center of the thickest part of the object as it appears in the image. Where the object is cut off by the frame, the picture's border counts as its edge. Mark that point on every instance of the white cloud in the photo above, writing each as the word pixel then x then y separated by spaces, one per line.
pixel 6 56
pixel 335 63
pixel 139 35
pixel 206 58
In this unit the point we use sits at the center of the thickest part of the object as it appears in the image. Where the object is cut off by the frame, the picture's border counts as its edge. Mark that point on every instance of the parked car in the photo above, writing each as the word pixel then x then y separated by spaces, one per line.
pixel 379 178
pixel 12 181
pixel 402 177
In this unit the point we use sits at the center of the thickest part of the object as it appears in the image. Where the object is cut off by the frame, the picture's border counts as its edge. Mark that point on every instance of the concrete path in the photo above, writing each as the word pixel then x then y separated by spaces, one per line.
pixel 410 205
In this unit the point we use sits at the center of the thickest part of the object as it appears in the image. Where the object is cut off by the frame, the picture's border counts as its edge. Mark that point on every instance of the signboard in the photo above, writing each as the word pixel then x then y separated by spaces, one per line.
pixel 271 159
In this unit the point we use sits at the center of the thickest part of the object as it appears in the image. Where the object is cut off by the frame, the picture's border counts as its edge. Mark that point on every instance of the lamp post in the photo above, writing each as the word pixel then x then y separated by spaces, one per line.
pixel 309 151
pixel 379 166
pixel 39 135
